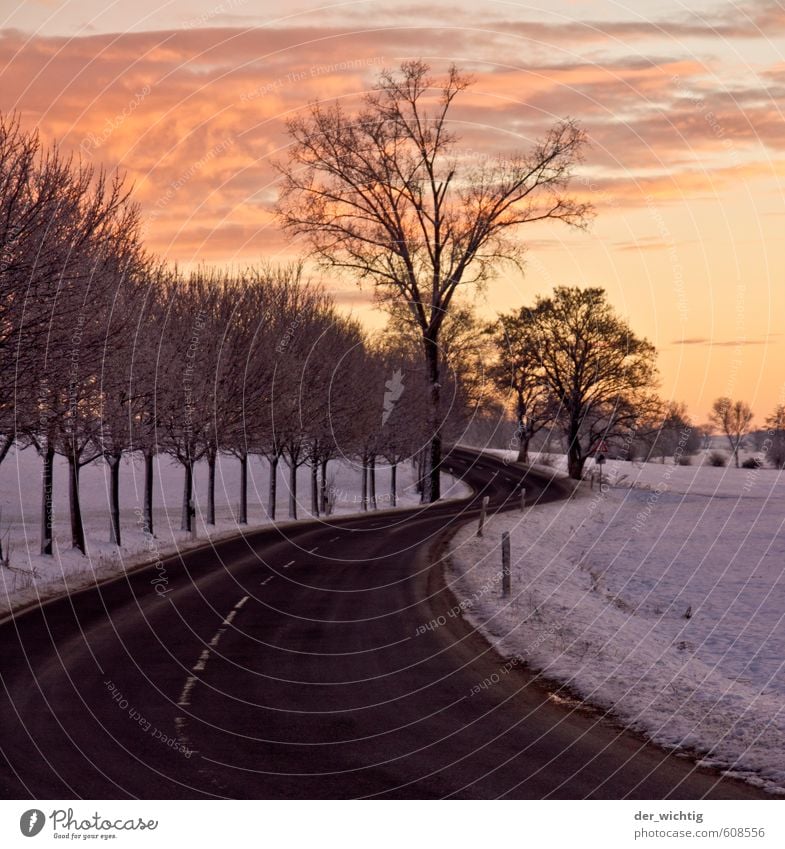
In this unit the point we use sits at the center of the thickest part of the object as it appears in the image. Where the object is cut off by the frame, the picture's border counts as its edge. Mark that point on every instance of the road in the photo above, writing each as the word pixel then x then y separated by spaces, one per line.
pixel 315 660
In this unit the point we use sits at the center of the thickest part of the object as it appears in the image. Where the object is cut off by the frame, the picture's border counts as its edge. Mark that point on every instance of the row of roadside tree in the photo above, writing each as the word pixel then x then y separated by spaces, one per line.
pixel 105 351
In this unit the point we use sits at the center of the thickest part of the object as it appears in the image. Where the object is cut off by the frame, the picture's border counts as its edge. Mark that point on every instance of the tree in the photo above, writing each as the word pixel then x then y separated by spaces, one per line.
pixel 226 342
pixel 89 238
pixel 675 434
pixel 775 437
pixel 404 395
pixel 248 357
pixel 183 404
pixel 597 369
pixel 383 195
pixel 732 418
pixel 146 396
pixel 517 373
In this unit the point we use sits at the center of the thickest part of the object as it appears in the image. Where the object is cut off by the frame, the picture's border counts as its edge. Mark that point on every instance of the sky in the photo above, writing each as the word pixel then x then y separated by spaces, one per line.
pixel 682 104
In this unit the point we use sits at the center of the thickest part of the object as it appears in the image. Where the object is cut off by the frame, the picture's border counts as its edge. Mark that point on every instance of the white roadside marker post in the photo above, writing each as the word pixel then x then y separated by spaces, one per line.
pixel 505 564
pixel 484 507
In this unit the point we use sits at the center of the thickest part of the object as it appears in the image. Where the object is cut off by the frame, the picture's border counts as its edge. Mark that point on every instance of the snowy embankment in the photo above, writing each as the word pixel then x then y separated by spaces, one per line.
pixel 661 599
pixel 31 577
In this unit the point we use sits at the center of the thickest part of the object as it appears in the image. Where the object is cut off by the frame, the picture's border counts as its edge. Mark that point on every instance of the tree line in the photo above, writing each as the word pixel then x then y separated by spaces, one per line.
pixel 106 351
pixel 570 366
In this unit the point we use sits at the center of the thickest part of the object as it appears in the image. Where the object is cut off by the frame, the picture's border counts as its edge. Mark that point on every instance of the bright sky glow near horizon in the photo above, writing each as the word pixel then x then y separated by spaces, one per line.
pixel 683 104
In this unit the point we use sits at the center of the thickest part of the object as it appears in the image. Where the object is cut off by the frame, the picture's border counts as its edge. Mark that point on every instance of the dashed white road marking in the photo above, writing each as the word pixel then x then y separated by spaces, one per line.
pixel 335 539
pixel 266 580
pixel 185 696
pixel 287 565
pixel 200 665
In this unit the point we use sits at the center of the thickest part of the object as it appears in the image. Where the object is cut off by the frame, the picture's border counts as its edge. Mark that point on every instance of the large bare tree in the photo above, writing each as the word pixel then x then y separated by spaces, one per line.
pixel 384 194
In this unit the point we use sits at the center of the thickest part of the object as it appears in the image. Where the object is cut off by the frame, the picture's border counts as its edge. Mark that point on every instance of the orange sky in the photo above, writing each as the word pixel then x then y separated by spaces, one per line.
pixel 684 112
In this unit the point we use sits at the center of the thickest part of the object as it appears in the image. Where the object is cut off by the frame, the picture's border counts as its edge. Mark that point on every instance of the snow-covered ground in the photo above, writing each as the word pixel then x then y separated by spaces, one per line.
pixel 661 598
pixel 32 577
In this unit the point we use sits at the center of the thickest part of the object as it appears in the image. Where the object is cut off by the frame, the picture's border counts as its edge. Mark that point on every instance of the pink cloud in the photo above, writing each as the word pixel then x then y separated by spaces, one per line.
pixel 196 116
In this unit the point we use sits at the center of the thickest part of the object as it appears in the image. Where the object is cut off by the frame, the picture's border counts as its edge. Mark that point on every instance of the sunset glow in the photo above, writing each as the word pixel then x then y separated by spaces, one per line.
pixel 683 108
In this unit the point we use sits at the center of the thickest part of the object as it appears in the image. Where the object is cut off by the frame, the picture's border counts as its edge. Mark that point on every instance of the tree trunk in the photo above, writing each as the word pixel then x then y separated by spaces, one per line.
pixel 521 434
pixel 77 527
pixel 422 457
pixel 575 465
pixel 433 481
pixel 292 490
pixel 372 481
pixel 393 485
pixel 147 507
pixel 575 458
pixel 315 489
pixel 46 501
pixel 364 488
pixel 273 487
pixel 188 494
pixel 243 489
pixel 114 499
pixel 324 494
pixel 212 456
pixel 6 447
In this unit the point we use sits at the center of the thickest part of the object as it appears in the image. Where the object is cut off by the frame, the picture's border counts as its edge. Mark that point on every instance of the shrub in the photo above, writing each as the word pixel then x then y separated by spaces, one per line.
pixel 684 460
pixel 717 459
pixel 752 463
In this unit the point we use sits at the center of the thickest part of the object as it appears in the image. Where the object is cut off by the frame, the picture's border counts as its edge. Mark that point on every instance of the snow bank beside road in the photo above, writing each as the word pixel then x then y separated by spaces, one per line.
pixel 661 599
pixel 33 577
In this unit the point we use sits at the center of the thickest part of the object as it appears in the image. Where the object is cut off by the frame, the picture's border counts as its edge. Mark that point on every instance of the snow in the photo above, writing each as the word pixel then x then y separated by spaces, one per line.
pixel 660 598
pixel 33 577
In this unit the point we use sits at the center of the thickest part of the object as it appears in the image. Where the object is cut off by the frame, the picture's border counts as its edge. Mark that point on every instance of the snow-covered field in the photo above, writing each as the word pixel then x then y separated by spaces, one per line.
pixel 32 577
pixel 661 598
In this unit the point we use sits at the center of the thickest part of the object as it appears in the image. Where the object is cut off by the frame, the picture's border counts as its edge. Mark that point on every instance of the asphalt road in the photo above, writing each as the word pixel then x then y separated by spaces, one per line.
pixel 297 663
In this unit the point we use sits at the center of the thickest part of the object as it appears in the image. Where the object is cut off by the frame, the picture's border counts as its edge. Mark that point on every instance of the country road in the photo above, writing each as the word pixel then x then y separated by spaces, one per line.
pixel 316 660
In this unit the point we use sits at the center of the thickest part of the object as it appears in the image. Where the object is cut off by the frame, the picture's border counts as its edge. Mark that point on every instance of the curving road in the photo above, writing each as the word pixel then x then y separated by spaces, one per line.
pixel 298 663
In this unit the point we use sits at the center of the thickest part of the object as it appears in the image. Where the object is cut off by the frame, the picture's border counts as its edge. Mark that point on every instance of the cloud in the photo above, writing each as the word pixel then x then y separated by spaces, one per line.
pixel 195 116
pixel 727 343
pixel 650 243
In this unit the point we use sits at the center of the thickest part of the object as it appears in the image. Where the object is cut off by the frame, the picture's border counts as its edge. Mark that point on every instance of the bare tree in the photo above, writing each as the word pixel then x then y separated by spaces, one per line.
pixel 774 441
pixel 383 195
pixel 249 358
pixel 674 435
pixel 518 375
pixel 404 427
pixel 733 419
pixel 90 232
pixel 183 402
pixel 121 409
pixel 595 366
pixel 147 396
